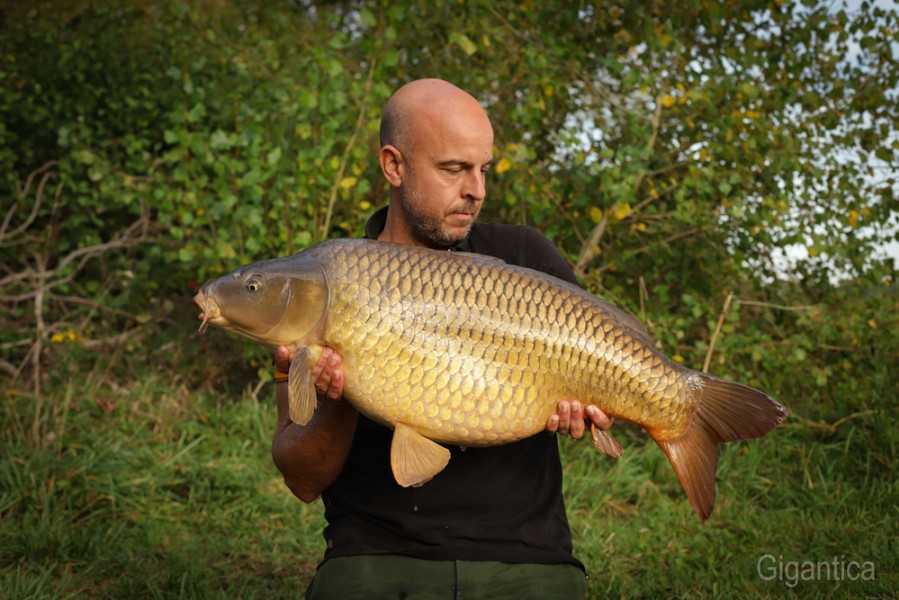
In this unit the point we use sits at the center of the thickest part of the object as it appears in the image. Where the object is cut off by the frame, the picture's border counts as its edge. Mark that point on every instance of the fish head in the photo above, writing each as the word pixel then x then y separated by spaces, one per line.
pixel 276 302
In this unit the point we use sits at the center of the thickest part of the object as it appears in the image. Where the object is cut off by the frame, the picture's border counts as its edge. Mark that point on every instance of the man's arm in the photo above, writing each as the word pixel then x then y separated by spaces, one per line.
pixel 311 456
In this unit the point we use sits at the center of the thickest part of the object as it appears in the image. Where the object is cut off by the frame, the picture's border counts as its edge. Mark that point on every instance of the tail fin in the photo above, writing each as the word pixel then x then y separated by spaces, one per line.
pixel 725 411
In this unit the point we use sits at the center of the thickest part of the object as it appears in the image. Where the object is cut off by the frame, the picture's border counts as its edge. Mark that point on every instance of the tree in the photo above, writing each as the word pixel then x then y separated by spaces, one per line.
pixel 673 151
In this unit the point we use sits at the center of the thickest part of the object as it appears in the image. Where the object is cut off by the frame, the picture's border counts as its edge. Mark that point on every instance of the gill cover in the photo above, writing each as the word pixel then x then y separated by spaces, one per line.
pixel 283 301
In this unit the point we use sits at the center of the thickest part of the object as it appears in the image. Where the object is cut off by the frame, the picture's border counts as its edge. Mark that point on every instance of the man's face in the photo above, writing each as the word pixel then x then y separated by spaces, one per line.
pixel 444 180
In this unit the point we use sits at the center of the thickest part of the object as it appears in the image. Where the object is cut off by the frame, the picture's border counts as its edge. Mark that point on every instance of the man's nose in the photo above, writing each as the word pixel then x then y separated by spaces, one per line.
pixel 475 185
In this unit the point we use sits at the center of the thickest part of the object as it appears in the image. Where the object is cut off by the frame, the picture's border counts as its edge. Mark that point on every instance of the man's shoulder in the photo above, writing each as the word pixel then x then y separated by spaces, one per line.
pixel 510 242
pixel 519 245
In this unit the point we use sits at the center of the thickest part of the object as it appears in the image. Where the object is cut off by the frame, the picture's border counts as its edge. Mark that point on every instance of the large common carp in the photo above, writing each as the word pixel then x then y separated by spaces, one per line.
pixel 465 349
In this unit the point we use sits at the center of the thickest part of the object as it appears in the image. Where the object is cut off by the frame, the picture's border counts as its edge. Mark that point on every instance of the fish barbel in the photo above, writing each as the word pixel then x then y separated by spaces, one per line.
pixel 457 348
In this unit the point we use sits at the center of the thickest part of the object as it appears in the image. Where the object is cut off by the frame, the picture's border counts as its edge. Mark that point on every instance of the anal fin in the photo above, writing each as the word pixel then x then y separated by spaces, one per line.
pixel 415 459
pixel 604 442
pixel 301 396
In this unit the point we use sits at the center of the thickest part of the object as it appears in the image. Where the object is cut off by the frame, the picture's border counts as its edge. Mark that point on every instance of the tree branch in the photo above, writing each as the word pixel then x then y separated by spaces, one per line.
pixel 587 253
pixel 22 193
pixel 360 121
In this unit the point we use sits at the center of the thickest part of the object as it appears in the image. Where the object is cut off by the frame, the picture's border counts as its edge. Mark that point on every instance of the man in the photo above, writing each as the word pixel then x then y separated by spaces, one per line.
pixel 493 523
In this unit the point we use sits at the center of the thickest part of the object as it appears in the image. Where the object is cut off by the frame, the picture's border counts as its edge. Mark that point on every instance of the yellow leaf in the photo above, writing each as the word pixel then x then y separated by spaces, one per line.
pixel 365 205
pixel 595 214
pixel 548 91
pixel 853 218
pixel 668 100
pixel 503 165
pixel 872 323
pixel 348 182
pixel 70 335
pixel 621 210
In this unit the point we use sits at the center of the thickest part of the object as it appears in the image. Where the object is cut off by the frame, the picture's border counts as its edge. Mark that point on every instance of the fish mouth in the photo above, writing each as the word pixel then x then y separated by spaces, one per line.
pixel 210 311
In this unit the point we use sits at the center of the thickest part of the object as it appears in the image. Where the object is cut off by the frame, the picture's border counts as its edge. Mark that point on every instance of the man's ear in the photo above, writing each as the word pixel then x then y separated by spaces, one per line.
pixel 392 165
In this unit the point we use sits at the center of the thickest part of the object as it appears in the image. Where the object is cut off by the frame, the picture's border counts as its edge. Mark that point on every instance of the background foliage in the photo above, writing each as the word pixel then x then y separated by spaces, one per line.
pixel 725 170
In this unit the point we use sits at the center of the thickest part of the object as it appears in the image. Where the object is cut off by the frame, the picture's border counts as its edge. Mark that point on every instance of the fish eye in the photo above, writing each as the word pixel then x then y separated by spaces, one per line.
pixel 254 284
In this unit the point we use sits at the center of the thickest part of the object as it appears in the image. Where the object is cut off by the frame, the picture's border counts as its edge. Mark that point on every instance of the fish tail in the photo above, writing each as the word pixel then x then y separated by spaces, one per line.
pixel 725 411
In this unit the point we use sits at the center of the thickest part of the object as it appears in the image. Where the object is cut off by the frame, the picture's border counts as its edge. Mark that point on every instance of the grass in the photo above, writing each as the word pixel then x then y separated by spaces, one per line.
pixel 161 485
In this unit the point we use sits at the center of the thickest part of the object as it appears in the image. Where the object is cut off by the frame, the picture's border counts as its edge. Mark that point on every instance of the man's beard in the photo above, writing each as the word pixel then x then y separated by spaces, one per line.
pixel 427 230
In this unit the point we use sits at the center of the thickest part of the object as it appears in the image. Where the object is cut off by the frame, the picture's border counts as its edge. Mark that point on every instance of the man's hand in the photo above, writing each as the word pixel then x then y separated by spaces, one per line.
pixel 571 419
pixel 327 374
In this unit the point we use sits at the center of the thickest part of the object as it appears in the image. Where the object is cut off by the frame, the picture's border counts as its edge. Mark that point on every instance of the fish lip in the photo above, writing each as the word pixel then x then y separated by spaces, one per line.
pixel 209 311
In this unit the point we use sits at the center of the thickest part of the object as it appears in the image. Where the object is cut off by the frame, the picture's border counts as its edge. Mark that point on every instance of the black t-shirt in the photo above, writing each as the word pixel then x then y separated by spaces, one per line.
pixel 500 503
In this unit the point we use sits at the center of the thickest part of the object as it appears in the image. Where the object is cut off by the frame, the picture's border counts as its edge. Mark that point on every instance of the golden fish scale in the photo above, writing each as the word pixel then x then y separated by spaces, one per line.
pixel 469 350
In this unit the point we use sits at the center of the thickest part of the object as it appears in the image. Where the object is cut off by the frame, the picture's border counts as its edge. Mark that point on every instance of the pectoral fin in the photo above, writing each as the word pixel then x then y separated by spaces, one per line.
pixel 301 396
pixel 414 458
pixel 604 442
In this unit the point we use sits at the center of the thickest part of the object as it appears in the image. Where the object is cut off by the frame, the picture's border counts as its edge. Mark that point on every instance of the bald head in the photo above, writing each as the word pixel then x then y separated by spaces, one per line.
pixel 422 104
pixel 436 149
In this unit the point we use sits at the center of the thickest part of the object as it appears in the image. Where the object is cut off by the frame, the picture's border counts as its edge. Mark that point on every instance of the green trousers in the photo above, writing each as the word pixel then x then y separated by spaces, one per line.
pixel 392 577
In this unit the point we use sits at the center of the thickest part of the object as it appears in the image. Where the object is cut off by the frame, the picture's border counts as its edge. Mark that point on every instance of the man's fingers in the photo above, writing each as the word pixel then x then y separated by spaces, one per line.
pixel 327 375
pixel 564 412
pixel 572 418
pixel 319 369
pixel 282 359
pixel 335 389
pixel 577 427
pixel 598 417
pixel 552 424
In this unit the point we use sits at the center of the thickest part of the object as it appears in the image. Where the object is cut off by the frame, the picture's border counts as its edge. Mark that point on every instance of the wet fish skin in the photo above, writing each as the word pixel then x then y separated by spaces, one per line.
pixel 465 349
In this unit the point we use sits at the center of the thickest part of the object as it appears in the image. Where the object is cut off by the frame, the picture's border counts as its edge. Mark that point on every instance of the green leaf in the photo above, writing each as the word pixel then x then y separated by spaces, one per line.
pixel 219 140
pixel 273 157
pixel 197 113
pixel 367 17
pixel 464 42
